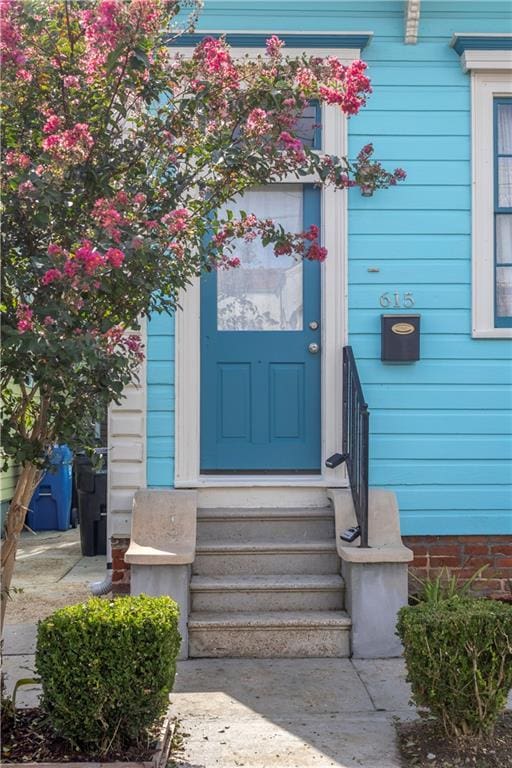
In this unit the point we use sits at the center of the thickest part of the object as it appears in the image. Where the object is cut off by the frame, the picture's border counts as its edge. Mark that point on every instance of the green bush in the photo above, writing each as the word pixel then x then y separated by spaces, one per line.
pixel 107 667
pixel 458 654
pixel 444 586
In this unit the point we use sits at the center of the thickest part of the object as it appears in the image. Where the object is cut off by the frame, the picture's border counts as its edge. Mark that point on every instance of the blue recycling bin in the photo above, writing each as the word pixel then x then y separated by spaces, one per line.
pixel 50 508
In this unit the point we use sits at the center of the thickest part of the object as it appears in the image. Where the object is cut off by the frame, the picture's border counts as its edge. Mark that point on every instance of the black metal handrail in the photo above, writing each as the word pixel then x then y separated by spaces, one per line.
pixel 355 443
pixel 356 421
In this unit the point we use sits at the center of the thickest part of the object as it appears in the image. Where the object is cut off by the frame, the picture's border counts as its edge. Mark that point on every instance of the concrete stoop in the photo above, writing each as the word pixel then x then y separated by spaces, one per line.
pixel 253 579
pixel 266 584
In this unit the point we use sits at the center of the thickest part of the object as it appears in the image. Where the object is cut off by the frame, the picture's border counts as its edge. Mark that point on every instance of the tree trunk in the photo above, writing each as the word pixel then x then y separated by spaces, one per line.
pixel 25 487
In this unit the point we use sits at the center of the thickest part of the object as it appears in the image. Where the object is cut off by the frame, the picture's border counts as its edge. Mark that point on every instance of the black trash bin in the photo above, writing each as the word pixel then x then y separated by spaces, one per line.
pixel 91 491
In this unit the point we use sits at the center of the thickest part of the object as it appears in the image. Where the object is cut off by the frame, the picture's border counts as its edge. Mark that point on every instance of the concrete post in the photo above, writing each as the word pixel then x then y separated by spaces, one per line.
pixel 374 594
pixel 172 580
pixel 162 548
pixel 375 576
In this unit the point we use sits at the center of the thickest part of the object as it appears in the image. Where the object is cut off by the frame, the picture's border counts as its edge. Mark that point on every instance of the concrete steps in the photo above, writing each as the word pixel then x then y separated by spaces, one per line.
pixel 287 634
pixel 272 592
pixel 266 584
pixel 217 558
pixel 302 524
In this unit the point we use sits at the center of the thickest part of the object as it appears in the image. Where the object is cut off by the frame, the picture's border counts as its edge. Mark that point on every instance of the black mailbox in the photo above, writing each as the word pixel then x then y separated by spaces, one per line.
pixel 400 338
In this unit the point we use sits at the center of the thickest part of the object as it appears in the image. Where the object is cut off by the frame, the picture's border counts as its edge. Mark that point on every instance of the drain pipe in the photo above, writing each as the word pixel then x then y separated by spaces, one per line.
pixel 100 588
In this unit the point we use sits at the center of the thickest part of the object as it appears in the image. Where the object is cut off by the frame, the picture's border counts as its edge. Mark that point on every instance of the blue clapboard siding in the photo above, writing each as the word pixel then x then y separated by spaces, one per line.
pixel 457 397
pixel 406 248
pixel 160 402
pixel 440 427
pixel 435 347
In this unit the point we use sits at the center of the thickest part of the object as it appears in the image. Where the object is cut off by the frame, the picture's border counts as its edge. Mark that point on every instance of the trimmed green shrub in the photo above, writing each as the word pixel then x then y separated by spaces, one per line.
pixel 458 654
pixel 107 667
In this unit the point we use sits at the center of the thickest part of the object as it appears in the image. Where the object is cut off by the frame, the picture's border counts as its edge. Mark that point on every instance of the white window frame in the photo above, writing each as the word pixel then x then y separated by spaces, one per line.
pixel 491 77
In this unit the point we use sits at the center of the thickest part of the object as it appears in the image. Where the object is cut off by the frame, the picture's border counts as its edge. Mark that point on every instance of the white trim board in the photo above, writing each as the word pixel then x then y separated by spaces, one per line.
pixel 485 86
pixel 127 450
pixel 334 291
pixel 486 61
pixel 345 55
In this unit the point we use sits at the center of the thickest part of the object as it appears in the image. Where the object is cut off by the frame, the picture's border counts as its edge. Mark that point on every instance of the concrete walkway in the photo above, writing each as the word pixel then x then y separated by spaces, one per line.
pixel 265 713
pixel 258 713
pixel 290 713
pixel 50 573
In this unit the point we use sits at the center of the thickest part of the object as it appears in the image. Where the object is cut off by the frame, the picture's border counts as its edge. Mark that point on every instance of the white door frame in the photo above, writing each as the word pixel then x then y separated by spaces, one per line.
pixel 334 296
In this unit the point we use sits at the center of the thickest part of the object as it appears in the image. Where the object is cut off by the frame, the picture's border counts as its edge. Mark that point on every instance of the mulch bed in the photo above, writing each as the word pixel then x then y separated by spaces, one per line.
pixel 424 743
pixel 32 739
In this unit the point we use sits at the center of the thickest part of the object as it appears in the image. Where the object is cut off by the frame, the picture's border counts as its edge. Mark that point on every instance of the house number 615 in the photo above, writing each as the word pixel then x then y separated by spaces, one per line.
pixel 394 300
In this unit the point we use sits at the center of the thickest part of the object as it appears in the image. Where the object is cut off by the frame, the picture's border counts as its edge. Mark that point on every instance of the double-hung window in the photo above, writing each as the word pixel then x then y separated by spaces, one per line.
pixel 503 211
pixel 488 60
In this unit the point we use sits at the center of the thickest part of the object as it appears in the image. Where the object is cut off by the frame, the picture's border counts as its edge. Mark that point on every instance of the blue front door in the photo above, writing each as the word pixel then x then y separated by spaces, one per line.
pixel 260 356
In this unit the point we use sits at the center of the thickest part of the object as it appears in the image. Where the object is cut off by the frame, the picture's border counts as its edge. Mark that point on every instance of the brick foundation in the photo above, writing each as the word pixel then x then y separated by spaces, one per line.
pixel 120 569
pixel 462 556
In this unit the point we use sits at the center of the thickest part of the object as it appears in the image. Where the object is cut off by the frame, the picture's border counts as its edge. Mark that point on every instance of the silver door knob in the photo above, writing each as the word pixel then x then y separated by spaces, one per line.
pixel 313 325
pixel 314 348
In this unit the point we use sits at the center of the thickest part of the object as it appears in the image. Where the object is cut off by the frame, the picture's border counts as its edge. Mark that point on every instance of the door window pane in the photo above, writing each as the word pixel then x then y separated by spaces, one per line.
pixel 504 292
pixel 265 292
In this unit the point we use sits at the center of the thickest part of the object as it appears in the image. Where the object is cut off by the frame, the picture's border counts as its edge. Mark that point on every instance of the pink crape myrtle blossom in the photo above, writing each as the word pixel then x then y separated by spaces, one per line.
pixel 102 33
pixel 50 276
pixel 176 221
pixel 290 142
pixel 71 81
pixel 305 79
pixel 115 257
pixel 89 257
pixel 117 340
pixel 257 123
pixel 273 46
pixel 26 189
pixel 19 159
pixel 53 124
pixel 215 61
pixel 55 250
pixel 24 316
pixel 106 213
pixel 71 145
pixel 316 252
pixel 24 74
pixel 368 171
pixel 11 50
pixel 302 245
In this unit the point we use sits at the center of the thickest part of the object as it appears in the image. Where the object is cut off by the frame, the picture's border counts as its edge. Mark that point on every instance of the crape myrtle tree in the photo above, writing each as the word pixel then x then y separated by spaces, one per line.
pixel 117 156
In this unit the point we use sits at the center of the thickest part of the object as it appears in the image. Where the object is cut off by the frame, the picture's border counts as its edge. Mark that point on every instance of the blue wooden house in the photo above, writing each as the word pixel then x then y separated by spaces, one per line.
pixel 247 393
